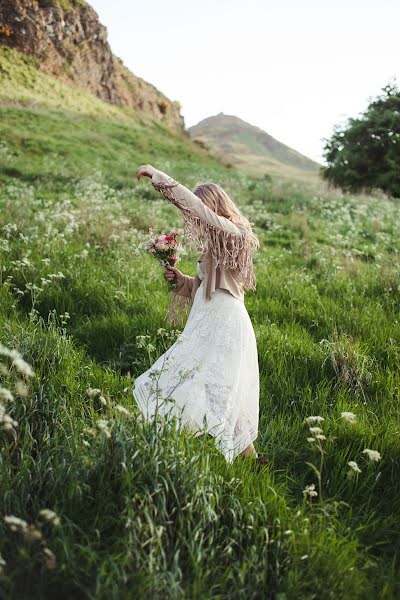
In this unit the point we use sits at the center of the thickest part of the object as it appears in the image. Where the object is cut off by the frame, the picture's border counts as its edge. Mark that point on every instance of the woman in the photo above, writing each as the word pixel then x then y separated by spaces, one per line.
pixel 209 377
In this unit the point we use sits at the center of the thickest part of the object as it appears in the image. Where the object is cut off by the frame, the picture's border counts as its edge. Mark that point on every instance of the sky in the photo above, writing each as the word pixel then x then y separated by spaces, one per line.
pixel 293 68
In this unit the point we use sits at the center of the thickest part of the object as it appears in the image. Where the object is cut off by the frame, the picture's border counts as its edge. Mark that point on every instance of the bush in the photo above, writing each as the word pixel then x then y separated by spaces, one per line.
pixel 365 153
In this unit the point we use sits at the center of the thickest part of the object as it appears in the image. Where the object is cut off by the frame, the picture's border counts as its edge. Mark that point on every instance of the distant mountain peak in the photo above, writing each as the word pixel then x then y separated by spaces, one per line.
pixel 249 147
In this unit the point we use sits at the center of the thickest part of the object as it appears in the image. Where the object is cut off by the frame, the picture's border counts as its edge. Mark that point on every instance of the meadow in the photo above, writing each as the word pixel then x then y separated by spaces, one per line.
pixel 96 503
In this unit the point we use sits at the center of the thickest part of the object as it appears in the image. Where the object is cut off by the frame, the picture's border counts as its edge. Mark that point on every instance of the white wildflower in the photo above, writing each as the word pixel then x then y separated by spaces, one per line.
pixel 320 436
pixel 313 419
pixel 50 559
pixel 92 392
pixel 103 425
pixel 316 430
pixel 50 516
pixel 23 367
pixel 349 417
pixel 4 370
pixel 141 340
pixel 310 491
pixel 6 394
pixel 311 440
pixel 7 352
pixel 122 409
pixel 2 564
pixel 8 422
pixel 21 389
pixel 15 523
pixel 353 465
pixel 373 455
pixel 90 431
pixel 32 534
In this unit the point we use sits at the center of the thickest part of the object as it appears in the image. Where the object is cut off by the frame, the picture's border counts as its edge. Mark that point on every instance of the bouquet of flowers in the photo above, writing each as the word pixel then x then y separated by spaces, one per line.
pixel 165 249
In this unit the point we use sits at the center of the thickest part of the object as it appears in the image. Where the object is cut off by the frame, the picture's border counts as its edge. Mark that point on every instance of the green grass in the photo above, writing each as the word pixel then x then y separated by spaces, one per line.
pixel 65 4
pixel 162 515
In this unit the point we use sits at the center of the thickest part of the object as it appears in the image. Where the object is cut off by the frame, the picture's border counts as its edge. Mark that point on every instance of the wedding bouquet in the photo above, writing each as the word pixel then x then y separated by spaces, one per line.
pixel 165 249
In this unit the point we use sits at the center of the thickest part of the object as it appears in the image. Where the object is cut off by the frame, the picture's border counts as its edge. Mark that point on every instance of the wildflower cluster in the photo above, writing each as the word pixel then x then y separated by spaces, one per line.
pixel 163 340
pixel 32 533
pixel 103 425
pixel 33 249
pixel 23 373
pixel 371 455
pixel 349 417
pixel 317 438
pixel 310 491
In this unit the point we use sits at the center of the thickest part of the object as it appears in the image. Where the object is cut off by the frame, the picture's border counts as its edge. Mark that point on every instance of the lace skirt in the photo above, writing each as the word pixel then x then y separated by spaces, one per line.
pixel 209 378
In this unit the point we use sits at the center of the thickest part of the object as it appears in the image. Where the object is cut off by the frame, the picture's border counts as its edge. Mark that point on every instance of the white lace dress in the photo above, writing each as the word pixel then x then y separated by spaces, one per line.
pixel 209 378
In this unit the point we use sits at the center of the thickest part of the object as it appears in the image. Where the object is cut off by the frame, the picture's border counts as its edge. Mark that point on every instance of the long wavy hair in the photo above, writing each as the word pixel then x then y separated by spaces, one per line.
pixel 229 250
pixel 215 197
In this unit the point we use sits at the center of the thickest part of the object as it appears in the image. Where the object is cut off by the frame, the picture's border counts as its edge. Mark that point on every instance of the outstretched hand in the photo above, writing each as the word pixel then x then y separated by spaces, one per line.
pixel 145 171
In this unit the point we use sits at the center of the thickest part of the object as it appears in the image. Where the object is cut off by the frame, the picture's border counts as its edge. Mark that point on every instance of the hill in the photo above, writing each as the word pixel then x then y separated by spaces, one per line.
pixel 251 149
pixel 68 42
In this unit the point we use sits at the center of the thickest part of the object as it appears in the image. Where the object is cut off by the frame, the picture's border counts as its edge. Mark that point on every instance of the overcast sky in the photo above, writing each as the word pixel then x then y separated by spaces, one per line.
pixel 292 68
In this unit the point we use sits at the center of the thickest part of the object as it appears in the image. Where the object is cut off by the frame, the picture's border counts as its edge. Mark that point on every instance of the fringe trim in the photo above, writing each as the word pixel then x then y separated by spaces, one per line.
pixel 229 250
pixel 178 308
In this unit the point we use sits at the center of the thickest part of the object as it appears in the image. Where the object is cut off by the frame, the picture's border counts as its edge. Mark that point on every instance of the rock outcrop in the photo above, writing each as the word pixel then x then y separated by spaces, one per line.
pixel 71 44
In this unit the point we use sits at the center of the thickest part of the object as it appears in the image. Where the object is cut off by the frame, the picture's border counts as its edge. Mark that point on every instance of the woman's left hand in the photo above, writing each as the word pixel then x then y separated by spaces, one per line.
pixel 145 171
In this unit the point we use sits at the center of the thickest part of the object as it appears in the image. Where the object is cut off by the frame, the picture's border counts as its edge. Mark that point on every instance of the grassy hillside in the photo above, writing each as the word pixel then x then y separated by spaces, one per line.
pixel 251 149
pixel 23 85
pixel 161 515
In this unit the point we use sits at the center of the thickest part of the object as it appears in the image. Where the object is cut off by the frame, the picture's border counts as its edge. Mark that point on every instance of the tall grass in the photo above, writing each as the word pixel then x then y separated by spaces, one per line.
pixel 155 513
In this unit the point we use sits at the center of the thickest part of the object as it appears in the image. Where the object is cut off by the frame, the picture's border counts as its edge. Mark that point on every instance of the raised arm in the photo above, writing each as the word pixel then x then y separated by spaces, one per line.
pixel 228 243
pixel 184 199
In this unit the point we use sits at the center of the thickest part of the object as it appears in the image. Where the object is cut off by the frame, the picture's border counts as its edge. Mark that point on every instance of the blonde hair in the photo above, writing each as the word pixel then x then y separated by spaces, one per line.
pixel 215 197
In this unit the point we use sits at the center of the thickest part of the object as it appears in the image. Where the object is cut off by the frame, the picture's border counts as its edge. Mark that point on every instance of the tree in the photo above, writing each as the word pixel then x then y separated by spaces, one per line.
pixel 365 152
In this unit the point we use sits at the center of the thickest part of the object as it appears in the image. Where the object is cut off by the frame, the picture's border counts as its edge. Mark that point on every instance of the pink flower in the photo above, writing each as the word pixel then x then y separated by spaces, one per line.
pixel 173 260
pixel 161 238
pixel 160 246
pixel 175 233
pixel 150 243
pixel 169 238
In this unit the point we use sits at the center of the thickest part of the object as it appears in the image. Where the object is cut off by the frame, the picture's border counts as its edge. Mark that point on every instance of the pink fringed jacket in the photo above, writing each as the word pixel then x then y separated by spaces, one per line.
pixel 226 259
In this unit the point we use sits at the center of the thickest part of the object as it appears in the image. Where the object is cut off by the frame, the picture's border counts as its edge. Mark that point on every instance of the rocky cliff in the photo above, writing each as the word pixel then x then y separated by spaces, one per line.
pixel 71 44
